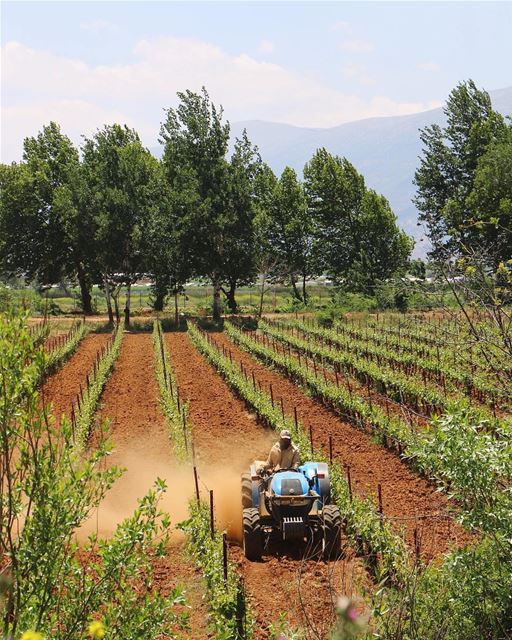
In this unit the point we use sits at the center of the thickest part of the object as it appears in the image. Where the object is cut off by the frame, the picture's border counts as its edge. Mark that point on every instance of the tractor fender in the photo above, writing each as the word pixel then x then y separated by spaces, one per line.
pixel 324 483
pixel 255 486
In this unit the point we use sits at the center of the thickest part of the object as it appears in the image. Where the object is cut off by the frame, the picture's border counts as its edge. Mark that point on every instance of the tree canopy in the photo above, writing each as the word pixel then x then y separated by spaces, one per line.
pixel 448 167
pixel 110 213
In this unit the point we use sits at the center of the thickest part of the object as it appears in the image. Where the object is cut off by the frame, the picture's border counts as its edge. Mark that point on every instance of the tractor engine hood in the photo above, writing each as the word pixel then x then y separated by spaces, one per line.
pixel 289 483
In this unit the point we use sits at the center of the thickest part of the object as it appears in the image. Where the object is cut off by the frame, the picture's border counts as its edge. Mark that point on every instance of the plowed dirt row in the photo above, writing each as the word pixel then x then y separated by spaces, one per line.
pixel 62 388
pixel 141 445
pixel 227 438
pixel 408 500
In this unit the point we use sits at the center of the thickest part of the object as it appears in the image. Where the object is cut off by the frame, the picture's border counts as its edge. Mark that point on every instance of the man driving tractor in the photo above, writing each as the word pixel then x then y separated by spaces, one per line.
pixel 284 454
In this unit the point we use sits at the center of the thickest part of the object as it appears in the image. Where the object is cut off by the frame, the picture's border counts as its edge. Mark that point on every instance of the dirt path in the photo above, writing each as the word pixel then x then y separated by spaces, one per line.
pixel 62 388
pixel 227 438
pixel 139 434
pixel 409 502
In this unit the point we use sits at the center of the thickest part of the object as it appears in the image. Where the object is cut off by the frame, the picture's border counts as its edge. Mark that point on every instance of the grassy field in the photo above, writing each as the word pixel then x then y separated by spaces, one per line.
pixel 196 299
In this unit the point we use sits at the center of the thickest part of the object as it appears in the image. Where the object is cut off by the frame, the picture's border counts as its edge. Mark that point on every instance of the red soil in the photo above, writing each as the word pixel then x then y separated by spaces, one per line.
pixel 62 388
pixel 409 501
pixel 141 443
pixel 227 438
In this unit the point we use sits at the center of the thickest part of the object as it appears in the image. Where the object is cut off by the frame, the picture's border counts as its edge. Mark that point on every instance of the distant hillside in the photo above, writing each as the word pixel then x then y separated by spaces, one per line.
pixel 384 150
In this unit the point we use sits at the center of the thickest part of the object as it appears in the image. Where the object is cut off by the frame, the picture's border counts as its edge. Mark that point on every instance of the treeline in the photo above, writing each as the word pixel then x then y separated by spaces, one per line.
pixel 110 212
pixel 464 183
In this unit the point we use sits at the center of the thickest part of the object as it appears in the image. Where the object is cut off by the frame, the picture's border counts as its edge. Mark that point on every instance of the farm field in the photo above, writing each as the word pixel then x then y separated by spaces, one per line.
pixel 211 400
pixel 256 331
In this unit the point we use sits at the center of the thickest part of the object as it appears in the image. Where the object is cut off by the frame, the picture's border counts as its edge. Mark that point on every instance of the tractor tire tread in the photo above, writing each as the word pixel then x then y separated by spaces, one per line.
pixel 253 535
pixel 332 531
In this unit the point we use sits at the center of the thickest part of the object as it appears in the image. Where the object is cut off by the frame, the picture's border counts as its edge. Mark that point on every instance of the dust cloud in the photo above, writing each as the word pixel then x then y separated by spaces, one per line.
pixel 139 477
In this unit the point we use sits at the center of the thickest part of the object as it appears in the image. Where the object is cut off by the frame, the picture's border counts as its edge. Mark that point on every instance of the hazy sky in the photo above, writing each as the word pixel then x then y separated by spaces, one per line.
pixel 85 64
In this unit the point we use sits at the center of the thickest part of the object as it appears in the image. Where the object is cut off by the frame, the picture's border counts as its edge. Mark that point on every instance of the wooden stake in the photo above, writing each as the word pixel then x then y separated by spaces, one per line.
pixel 330 449
pixel 416 544
pixel 295 418
pixel 225 557
pixel 212 520
pixel 349 482
pixel 311 438
pixel 196 483
pixel 184 421
pixel 379 492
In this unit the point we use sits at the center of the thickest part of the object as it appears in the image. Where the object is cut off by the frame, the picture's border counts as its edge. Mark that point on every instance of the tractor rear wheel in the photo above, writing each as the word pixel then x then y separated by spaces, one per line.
pixel 332 531
pixel 253 535
pixel 246 491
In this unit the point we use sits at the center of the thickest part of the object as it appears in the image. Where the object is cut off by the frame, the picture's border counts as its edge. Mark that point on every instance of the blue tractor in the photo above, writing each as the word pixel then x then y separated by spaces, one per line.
pixel 295 504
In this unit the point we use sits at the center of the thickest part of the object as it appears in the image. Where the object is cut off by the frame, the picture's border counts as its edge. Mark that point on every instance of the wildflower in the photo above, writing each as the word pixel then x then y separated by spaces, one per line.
pixel 31 635
pixel 352 613
pixel 97 630
pixel 349 619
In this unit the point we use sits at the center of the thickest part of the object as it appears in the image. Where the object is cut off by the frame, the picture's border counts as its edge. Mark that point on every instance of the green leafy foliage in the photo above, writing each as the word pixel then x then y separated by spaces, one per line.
pixel 391 429
pixel 57 357
pixel 84 417
pixel 226 599
pixel 446 175
pixel 175 411
pixel 50 489
pixel 356 235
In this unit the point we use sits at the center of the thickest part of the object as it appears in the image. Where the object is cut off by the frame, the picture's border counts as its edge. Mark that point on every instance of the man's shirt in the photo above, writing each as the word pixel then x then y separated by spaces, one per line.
pixel 283 458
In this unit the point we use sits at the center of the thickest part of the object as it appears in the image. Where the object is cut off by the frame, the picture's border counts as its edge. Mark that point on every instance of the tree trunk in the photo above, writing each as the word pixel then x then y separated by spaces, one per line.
pixel 85 291
pixel 116 305
pixel 109 300
pixel 176 314
pixel 127 306
pixel 158 302
pixel 262 293
pixel 295 290
pixel 304 292
pixel 230 296
pixel 216 299
pixel 159 291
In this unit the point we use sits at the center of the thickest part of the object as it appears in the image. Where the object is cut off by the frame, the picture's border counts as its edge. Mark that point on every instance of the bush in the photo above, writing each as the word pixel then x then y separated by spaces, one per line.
pixel 20 300
pixel 347 301
pixel 50 487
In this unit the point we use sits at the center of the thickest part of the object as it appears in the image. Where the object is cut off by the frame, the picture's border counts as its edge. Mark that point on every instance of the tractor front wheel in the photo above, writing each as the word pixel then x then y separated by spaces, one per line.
pixel 332 531
pixel 253 535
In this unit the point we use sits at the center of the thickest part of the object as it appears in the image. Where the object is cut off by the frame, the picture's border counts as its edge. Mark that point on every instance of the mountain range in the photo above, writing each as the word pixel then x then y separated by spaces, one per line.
pixel 384 150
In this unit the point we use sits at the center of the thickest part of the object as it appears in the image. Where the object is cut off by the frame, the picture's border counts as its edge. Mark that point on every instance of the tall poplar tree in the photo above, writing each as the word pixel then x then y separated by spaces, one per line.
pixel 292 233
pixel 48 229
pixel 121 189
pixel 218 229
pixel 448 165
